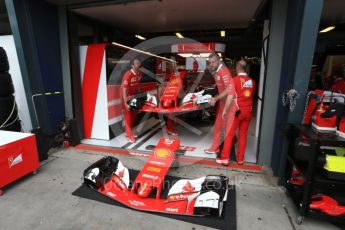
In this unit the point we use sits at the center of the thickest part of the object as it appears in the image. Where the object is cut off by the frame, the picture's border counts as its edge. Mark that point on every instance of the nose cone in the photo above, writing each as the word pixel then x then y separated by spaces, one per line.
pixel 167 103
pixel 144 190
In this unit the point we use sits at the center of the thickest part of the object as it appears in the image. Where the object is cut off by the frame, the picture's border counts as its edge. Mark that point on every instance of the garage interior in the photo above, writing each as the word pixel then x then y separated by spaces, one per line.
pixel 243 38
pixel 261 204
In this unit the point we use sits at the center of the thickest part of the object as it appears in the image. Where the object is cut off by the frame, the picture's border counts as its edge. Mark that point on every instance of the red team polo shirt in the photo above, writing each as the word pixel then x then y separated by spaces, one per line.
pixel 338 86
pixel 245 89
pixel 130 81
pixel 223 79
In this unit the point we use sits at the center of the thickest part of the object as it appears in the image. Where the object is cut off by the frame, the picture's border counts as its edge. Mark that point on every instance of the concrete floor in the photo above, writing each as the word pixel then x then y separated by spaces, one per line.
pixel 44 201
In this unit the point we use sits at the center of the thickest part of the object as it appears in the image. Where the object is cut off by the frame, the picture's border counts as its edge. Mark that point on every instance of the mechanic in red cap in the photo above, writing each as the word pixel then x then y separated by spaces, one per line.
pixel 225 86
pixel 241 108
pixel 129 87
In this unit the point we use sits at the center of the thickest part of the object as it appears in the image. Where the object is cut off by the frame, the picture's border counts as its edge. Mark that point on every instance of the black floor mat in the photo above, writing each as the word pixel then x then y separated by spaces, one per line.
pixel 227 221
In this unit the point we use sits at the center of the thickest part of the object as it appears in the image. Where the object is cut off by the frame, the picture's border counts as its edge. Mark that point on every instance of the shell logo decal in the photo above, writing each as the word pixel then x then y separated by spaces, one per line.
pixel 162 153
pixel 247 93
pixel 174 82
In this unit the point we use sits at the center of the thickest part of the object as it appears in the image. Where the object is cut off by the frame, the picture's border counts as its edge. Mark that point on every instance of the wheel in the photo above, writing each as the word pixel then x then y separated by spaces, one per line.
pixel 6 85
pixel 4 66
pixel 35 172
pixel 1 192
pixel 300 220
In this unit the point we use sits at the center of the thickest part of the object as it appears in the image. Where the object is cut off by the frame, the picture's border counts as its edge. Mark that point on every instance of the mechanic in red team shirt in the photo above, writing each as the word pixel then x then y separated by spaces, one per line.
pixel 339 85
pixel 241 104
pixel 177 78
pixel 129 87
pixel 225 86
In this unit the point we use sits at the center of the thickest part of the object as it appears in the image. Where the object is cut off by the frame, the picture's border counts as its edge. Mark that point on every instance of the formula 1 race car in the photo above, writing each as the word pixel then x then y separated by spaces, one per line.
pixel 169 101
pixel 198 197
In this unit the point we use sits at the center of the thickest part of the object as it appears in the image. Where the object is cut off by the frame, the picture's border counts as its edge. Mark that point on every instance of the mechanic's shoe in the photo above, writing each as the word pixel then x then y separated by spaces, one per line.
pixel 240 162
pixel 131 139
pixel 211 151
pixel 173 133
pixel 221 161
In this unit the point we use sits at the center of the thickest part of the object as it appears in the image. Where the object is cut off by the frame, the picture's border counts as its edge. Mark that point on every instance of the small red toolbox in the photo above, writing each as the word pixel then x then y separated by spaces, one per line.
pixel 18 156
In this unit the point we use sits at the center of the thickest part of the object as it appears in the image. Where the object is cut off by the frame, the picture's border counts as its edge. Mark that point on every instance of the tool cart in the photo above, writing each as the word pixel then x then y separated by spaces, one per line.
pixel 18 156
pixel 312 182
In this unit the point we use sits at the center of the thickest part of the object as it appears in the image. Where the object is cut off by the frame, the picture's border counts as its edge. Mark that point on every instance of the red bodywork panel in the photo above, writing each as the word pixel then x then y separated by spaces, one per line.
pixel 315 110
pixel 327 205
pixel 296 178
pixel 341 127
pixel 169 98
pixel 329 122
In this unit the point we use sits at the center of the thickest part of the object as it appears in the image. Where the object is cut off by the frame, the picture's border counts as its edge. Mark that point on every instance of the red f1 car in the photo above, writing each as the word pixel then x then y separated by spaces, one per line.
pixel 199 197
pixel 169 101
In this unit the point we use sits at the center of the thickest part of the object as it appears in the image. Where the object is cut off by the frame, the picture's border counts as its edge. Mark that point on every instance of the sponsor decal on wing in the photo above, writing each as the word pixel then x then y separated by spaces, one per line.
pixel 150 176
pixel 157 163
pixel 153 169
pixel 177 197
pixel 182 186
pixel 172 210
pixel 136 203
pixel 123 173
pixel 187 188
pixel 112 195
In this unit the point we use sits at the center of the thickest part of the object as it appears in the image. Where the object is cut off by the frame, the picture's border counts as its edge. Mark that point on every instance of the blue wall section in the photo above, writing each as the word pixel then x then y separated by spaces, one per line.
pixel 45 25
pixel 292 34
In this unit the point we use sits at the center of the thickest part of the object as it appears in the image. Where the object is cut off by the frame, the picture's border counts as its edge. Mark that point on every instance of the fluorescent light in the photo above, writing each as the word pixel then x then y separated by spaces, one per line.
pixel 199 55
pixel 144 52
pixel 179 35
pixel 222 33
pixel 140 37
pixel 327 29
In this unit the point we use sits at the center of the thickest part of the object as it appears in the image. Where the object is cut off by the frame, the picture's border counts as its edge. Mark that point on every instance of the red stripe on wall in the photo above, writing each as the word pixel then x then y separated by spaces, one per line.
pixel 114 111
pixel 148 86
pixel 92 74
pixel 113 92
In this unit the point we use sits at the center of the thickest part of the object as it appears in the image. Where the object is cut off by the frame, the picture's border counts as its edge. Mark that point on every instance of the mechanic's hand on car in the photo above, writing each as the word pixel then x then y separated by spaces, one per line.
pixel 212 101
pixel 224 114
